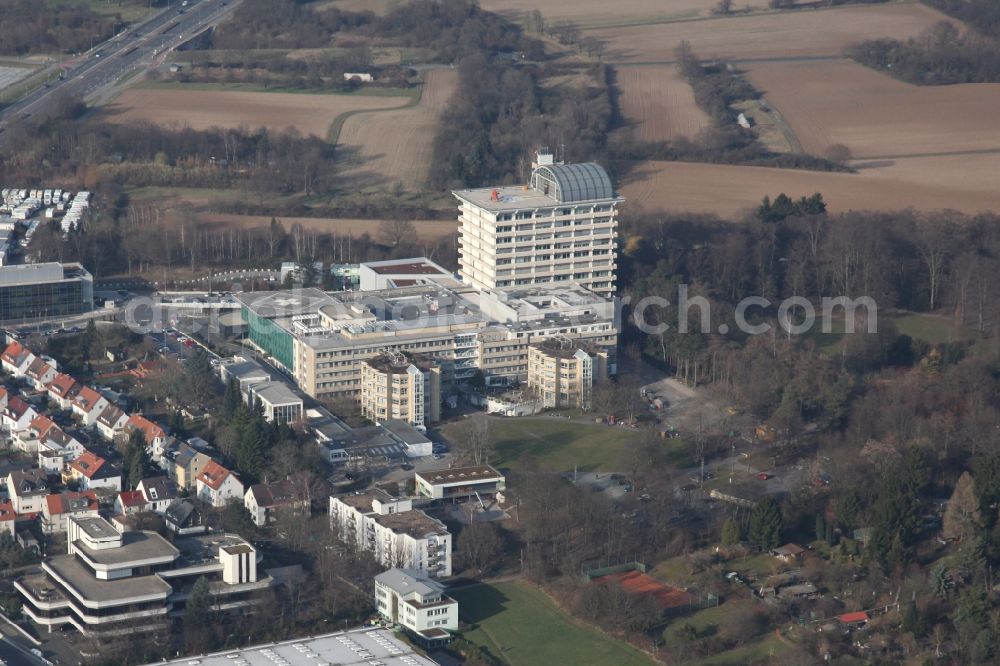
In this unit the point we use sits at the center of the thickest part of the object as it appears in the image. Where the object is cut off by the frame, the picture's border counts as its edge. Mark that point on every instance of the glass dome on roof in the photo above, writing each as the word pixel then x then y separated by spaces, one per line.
pixel 573 182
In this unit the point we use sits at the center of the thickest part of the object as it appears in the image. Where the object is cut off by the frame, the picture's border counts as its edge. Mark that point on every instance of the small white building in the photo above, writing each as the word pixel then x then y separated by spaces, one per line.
pixel 263 500
pixel 409 598
pixel 27 490
pixel 482 481
pixel 280 403
pixel 88 405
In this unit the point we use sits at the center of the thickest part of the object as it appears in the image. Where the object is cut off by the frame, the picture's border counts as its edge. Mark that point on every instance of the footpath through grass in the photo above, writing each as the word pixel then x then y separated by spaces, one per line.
pixel 521 626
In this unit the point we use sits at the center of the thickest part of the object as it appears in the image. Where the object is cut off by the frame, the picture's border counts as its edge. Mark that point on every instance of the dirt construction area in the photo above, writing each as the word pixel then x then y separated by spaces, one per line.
pixel 201 109
pixel 658 104
pixel 820 32
pixel 922 183
pixel 875 115
pixel 397 146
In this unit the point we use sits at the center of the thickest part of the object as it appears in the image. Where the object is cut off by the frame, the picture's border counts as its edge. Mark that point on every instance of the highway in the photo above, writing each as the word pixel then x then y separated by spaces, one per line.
pixel 135 48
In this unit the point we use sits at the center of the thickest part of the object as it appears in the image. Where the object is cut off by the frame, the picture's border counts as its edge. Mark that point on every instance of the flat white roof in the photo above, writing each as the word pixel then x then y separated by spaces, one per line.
pixel 356 647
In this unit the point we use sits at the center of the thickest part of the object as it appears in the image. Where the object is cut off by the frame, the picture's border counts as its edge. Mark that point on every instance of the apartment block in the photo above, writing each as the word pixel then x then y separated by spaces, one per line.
pixel 562 372
pixel 394 532
pixel 400 386
pixel 560 228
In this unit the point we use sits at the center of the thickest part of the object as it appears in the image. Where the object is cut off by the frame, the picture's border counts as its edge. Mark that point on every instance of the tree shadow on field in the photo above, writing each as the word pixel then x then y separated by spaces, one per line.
pixel 480 602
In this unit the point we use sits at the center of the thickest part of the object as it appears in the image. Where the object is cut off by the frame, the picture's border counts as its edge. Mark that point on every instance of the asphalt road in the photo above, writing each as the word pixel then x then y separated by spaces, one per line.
pixel 15 655
pixel 136 48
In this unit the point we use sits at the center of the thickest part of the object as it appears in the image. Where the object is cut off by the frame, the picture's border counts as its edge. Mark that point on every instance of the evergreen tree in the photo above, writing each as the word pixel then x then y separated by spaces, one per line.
pixel 820 527
pixel 986 473
pixel 231 399
pixel 137 461
pixel 198 617
pixel 765 524
pixel 730 532
pixel 199 375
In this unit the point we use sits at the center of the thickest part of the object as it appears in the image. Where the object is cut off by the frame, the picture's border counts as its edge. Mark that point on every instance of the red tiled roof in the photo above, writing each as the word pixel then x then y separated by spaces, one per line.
pixel 213 475
pixel 64 502
pixel 148 428
pixel 41 424
pixel 17 407
pixel 62 386
pixel 86 398
pixel 7 512
pixel 88 463
pixel 3 393
pixel 14 353
pixel 853 618
pixel 132 498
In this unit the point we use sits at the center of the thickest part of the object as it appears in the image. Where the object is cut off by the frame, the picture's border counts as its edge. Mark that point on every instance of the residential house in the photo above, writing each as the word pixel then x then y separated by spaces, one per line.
pixel 409 598
pixel 41 372
pixel 8 517
pixel 56 449
pixel 27 490
pixel 183 517
pixel 62 390
pixel 187 465
pixel 111 422
pixel 789 552
pixel 264 500
pixel 3 398
pixel 91 471
pixel 129 502
pixel 17 415
pixel 59 507
pixel 16 358
pixel 158 491
pixel 217 486
pixel 88 405
pixel 26 439
pixel 155 436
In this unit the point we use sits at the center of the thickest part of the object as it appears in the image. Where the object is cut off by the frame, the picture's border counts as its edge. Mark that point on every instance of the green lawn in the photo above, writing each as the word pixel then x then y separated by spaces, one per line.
pixel 931 328
pixel 765 647
pixel 518 624
pixel 410 94
pixel 557 445
pixel 129 10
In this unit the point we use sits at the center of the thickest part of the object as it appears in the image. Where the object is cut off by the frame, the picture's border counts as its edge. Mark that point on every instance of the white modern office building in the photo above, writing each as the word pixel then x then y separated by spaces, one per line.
pixel 410 599
pixel 560 228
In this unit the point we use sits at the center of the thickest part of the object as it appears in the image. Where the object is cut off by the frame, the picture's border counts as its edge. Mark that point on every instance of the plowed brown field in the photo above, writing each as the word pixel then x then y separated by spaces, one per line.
pixel 201 109
pixel 658 103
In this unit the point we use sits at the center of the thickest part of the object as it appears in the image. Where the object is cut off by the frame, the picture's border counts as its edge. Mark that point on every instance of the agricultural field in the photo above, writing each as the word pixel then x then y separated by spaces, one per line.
pixel 728 190
pixel 203 108
pixel 518 624
pixel 396 146
pixel 875 115
pixel 427 230
pixel 658 104
pixel 821 32
pixel 594 13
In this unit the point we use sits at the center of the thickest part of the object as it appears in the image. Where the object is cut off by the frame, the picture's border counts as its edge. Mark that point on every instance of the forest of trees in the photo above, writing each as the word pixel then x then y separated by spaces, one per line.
pixel 941 55
pixel 29 27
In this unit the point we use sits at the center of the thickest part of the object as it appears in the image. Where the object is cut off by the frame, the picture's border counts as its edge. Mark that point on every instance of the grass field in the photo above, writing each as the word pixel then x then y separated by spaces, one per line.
pixel 201 109
pixel 558 445
pixel 396 146
pixel 875 115
pixel 728 190
pixel 930 328
pixel 823 32
pixel 129 10
pixel 521 626
pixel 658 104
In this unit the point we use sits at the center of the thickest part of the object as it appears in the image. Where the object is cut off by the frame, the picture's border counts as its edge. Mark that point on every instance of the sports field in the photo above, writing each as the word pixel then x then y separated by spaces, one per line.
pixel 519 625
pixel 638 583
pixel 554 444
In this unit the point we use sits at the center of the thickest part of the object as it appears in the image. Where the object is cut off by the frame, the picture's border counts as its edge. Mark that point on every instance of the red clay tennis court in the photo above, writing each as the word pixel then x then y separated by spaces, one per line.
pixel 638 583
